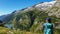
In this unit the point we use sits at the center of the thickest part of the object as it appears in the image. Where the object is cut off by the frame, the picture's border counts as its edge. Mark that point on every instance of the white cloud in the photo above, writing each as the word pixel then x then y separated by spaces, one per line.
pixel 2 14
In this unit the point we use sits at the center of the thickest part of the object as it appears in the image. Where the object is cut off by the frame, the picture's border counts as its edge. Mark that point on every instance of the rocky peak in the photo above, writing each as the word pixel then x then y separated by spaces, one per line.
pixel 45 5
pixel 55 10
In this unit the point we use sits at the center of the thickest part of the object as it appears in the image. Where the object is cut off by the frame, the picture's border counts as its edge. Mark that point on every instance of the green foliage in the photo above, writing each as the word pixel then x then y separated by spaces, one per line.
pixel 25 20
pixel 4 30
pixel 31 21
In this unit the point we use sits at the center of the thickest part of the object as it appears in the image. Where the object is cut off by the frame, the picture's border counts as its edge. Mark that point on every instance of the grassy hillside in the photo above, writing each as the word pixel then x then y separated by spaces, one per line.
pixel 4 30
pixel 31 21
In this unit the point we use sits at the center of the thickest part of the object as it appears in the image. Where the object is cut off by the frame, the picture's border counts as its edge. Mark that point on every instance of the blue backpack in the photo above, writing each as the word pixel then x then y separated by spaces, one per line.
pixel 48 28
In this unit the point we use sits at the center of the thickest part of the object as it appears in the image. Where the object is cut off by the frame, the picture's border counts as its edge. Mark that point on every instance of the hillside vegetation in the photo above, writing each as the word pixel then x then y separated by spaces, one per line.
pixel 30 21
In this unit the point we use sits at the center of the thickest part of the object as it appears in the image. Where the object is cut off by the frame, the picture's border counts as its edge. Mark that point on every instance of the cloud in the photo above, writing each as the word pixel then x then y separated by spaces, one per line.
pixel 2 13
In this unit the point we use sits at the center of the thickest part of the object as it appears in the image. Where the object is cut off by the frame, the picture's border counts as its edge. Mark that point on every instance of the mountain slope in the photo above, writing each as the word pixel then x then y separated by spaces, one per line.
pixel 42 7
pixel 32 18
pixel 2 17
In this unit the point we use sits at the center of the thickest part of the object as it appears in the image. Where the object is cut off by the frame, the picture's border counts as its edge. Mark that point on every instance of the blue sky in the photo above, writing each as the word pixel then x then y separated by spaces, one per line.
pixel 8 6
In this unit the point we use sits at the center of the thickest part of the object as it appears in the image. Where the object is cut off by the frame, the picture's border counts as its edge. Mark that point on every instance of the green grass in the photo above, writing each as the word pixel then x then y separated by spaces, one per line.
pixel 24 24
pixel 4 30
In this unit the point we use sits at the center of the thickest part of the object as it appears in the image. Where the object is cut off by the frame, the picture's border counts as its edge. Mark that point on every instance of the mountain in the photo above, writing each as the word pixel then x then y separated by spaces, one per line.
pixel 1 17
pixel 32 18
pixel 7 17
pixel 45 6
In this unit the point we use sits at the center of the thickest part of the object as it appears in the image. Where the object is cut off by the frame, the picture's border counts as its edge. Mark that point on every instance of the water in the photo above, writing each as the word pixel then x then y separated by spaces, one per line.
pixel 9 25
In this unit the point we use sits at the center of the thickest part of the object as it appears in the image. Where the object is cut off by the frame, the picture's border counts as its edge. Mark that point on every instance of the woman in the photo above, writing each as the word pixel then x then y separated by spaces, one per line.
pixel 48 26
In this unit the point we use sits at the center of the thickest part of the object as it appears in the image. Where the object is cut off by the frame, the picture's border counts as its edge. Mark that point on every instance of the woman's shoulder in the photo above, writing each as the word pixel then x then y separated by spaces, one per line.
pixel 44 23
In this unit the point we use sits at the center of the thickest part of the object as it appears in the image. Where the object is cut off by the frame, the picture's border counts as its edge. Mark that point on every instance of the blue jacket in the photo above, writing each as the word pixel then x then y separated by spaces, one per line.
pixel 48 28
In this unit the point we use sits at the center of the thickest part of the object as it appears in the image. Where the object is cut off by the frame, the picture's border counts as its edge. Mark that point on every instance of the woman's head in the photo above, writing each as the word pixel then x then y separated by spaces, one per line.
pixel 48 20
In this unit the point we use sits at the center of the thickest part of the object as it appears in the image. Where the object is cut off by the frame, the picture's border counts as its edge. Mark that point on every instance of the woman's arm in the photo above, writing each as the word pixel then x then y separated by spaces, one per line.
pixel 43 28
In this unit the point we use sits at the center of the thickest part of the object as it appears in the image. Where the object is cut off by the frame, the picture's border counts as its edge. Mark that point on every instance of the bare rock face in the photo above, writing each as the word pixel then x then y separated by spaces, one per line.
pixel 55 10
pixel 57 0
pixel 58 3
pixel 45 5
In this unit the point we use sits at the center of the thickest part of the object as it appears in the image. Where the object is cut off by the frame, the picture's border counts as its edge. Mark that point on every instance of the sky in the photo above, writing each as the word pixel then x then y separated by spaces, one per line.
pixel 8 6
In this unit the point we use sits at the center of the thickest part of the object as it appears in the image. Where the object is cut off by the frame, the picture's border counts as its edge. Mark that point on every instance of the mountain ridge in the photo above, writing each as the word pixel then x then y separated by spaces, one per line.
pixel 36 14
